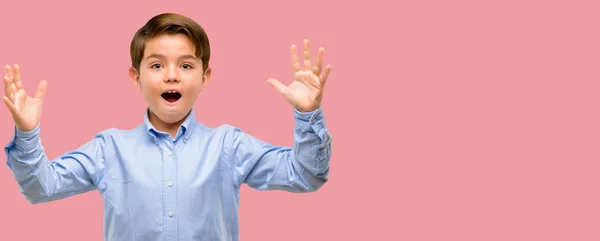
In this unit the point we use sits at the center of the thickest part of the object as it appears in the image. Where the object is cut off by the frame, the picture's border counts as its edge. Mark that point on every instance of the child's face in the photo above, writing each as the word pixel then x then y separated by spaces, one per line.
pixel 170 76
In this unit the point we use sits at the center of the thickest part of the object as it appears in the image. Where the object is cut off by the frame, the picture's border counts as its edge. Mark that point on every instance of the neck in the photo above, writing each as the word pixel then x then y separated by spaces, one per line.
pixel 162 126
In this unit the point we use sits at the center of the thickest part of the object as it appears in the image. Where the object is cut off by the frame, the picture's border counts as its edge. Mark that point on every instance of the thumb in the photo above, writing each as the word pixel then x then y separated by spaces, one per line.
pixel 41 90
pixel 277 85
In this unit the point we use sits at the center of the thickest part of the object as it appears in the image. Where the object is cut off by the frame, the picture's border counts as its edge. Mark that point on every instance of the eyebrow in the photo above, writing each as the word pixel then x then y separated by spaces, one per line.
pixel 160 56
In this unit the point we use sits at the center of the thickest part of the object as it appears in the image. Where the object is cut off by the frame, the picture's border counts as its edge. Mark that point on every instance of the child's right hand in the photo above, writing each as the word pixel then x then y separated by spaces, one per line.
pixel 26 111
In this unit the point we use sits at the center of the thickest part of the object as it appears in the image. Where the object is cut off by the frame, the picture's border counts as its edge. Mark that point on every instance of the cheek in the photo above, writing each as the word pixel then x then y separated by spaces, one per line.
pixel 150 91
pixel 150 83
pixel 196 87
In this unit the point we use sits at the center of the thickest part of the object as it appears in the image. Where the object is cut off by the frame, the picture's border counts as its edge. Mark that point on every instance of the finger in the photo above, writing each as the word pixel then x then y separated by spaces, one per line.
pixel 7 84
pixel 317 67
pixel 17 77
pixel 11 107
pixel 308 78
pixel 8 71
pixel 12 90
pixel 314 79
pixel 295 64
pixel 41 90
pixel 325 74
pixel 307 55
pixel 11 76
pixel 277 85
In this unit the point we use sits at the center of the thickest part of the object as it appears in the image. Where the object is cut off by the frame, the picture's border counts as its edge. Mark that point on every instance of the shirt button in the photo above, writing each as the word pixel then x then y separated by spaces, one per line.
pixel 170 184
pixel 169 153
pixel 171 213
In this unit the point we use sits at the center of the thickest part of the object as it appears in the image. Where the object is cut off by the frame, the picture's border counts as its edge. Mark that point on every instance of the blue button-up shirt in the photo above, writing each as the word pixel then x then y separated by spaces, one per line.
pixel 156 187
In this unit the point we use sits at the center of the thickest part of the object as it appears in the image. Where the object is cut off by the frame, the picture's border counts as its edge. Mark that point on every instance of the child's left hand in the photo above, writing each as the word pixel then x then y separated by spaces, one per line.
pixel 306 91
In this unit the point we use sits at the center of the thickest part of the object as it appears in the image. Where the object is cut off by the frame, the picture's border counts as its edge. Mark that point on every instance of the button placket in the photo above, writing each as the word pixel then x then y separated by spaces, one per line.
pixel 169 165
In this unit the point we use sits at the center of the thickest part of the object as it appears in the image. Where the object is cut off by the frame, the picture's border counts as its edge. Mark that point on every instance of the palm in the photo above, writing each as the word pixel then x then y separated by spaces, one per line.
pixel 303 97
pixel 30 110
pixel 306 91
pixel 26 110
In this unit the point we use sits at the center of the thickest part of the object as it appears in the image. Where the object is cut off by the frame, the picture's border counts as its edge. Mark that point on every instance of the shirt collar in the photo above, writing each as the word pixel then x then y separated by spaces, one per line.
pixel 186 128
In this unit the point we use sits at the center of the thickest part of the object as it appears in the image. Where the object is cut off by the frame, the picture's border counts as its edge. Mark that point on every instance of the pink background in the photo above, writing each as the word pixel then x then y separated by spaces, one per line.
pixel 451 120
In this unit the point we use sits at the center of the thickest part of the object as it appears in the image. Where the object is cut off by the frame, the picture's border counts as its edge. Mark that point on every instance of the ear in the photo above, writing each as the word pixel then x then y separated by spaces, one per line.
pixel 134 77
pixel 206 77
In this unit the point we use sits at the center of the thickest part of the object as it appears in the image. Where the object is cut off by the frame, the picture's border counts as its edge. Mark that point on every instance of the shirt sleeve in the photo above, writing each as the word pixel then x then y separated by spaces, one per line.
pixel 301 168
pixel 41 180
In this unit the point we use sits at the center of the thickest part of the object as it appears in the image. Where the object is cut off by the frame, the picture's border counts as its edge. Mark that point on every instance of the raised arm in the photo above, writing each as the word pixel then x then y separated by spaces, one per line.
pixel 39 179
pixel 304 167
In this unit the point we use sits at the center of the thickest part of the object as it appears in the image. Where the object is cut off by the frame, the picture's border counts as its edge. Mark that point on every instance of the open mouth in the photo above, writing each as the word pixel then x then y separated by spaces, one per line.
pixel 171 96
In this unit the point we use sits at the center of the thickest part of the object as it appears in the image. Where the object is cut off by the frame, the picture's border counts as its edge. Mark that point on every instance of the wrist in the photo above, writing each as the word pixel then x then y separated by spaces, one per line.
pixel 24 129
pixel 307 109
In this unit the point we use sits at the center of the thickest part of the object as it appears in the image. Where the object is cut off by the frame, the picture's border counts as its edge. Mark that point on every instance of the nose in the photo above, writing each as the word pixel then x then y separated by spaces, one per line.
pixel 172 74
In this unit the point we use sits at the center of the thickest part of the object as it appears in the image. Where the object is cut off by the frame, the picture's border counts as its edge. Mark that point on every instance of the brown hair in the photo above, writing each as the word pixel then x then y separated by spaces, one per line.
pixel 170 23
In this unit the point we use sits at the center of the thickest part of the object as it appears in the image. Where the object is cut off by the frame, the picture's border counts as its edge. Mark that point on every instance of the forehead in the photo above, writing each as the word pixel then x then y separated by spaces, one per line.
pixel 173 45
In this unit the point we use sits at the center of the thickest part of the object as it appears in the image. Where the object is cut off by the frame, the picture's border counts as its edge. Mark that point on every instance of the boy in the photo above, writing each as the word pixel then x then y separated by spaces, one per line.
pixel 173 178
